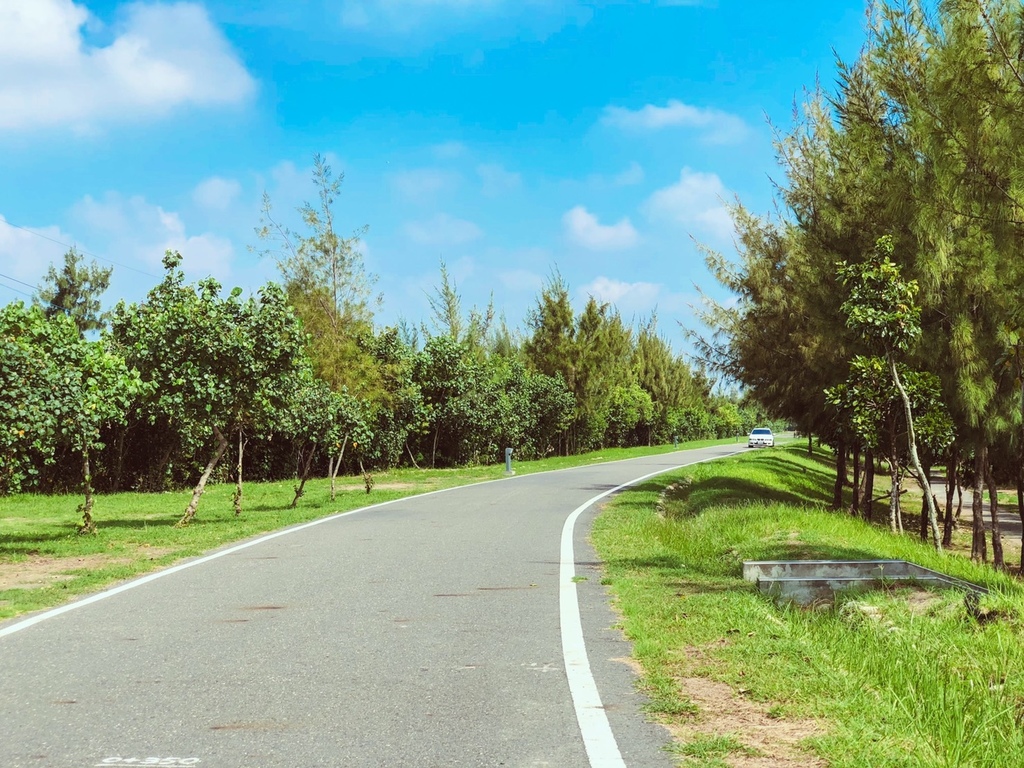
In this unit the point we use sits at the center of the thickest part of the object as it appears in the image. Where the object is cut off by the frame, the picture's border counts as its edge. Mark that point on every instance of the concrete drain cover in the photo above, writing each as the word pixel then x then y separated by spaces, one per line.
pixel 805 582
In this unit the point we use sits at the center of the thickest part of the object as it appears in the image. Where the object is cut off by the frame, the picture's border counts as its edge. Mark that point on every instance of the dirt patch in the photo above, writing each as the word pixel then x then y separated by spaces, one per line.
pixel 37 571
pixel 377 487
pixel 921 601
pixel 769 742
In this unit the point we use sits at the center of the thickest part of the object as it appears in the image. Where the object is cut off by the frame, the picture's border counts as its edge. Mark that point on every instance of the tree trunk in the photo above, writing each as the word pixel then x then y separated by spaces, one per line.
pixel 337 467
pixel 923 518
pixel 1020 511
pixel 837 490
pixel 979 547
pixel 411 457
pixel 237 498
pixel 922 478
pixel 87 525
pixel 894 497
pixel 899 499
pixel 869 484
pixel 855 503
pixel 993 508
pixel 300 488
pixel 193 505
pixel 433 452
pixel 810 444
pixel 122 432
pixel 951 485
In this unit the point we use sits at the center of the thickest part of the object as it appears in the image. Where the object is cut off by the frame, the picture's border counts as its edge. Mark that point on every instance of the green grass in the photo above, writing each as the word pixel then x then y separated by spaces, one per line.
pixel 710 748
pixel 137 534
pixel 893 680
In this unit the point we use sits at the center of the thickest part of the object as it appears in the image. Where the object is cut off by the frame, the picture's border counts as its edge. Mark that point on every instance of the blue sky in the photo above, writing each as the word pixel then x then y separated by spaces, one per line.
pixel 508 138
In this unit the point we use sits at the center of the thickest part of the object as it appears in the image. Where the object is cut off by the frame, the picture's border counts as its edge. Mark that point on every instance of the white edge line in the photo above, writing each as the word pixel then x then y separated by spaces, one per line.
pixel 602 749
pixel 52 613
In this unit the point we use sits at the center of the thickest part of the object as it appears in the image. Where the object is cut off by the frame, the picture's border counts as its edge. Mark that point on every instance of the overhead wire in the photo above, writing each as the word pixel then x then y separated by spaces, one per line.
pixel 16 280
pixel 83 252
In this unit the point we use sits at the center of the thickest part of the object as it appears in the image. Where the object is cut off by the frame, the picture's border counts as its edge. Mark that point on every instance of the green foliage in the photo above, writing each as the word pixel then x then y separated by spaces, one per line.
pixel 209 359
pixel 28 431
pixel 211 363
pixel 871 406
pixel 56 390
pixel 75 290
pixel 881 305
pixel 630 416
pixel 327 286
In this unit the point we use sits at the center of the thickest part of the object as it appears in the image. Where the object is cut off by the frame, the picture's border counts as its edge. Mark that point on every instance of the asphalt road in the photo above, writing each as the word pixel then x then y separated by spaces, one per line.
pixel 425 632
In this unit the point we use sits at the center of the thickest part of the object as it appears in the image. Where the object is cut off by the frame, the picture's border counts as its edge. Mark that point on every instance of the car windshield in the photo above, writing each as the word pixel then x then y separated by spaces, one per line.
pixel 761 432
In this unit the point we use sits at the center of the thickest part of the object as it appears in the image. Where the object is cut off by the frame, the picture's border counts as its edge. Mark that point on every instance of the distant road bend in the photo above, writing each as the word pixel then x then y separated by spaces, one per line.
pixel 440 630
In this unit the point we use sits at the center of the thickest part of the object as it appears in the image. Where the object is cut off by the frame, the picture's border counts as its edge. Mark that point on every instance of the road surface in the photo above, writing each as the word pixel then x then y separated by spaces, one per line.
pixel 423 632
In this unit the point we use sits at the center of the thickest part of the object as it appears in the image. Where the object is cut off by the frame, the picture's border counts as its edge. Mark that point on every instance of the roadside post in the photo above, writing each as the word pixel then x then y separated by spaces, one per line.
pixel 508 462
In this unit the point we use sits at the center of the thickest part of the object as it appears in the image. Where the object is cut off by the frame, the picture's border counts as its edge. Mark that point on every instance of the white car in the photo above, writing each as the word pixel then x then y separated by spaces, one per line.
pixel 760 438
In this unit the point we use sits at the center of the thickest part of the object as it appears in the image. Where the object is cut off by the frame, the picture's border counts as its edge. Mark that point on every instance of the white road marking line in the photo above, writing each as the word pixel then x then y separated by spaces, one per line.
pixel 602 749
pixel 26 623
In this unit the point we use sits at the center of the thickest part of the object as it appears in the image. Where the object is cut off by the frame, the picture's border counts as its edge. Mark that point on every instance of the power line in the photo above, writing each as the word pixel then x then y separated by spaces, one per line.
pixel 32 296
pixel 84 253
pixel 16 280
pixel 16 290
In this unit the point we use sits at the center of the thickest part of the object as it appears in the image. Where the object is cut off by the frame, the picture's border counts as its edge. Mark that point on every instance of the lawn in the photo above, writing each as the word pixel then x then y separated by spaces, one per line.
pixel 891 678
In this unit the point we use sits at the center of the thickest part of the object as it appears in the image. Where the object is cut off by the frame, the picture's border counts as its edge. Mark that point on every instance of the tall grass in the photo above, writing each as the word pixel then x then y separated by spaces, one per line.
pixel 895 678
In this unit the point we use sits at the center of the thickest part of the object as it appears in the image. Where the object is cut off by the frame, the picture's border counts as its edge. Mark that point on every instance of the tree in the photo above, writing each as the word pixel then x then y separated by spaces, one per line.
pixel 881 308
pixel 446 309
pixel 665 376
pixel 319 422
pixel 27 423
pixel 59 390
pixel 75 290
pixel 213 364
pixel 552 330
pixel 325 281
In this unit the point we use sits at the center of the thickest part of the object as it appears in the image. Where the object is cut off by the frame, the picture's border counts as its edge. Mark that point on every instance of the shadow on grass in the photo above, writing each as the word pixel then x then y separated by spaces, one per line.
pixel 649 486
pixel 802 550
pixel 139 523
pixel 719 491
pixel 690 587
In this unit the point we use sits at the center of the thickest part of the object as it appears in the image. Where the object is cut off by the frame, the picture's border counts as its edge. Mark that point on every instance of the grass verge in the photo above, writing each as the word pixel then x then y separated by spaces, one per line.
pixel 44 562
pixel 890 678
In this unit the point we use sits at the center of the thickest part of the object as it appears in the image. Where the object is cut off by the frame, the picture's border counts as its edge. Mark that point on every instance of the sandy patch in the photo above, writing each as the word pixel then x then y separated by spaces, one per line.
pixel 377 487
pixel 772 741
pixel 38 571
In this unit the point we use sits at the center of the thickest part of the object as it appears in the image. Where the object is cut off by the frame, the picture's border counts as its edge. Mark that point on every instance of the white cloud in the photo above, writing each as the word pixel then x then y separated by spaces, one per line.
pixel 496 180
pixel 216 193
pixel 583 228
pixel 161 56
pixel 443 230
pixel 696 200
pixel 424 184
pixel 716 126
pixel 638 298
pixel 143 231
pixel 26 255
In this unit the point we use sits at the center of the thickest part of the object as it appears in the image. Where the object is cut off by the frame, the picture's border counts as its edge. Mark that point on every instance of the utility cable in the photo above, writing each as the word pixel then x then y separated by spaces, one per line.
pixel 84 253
